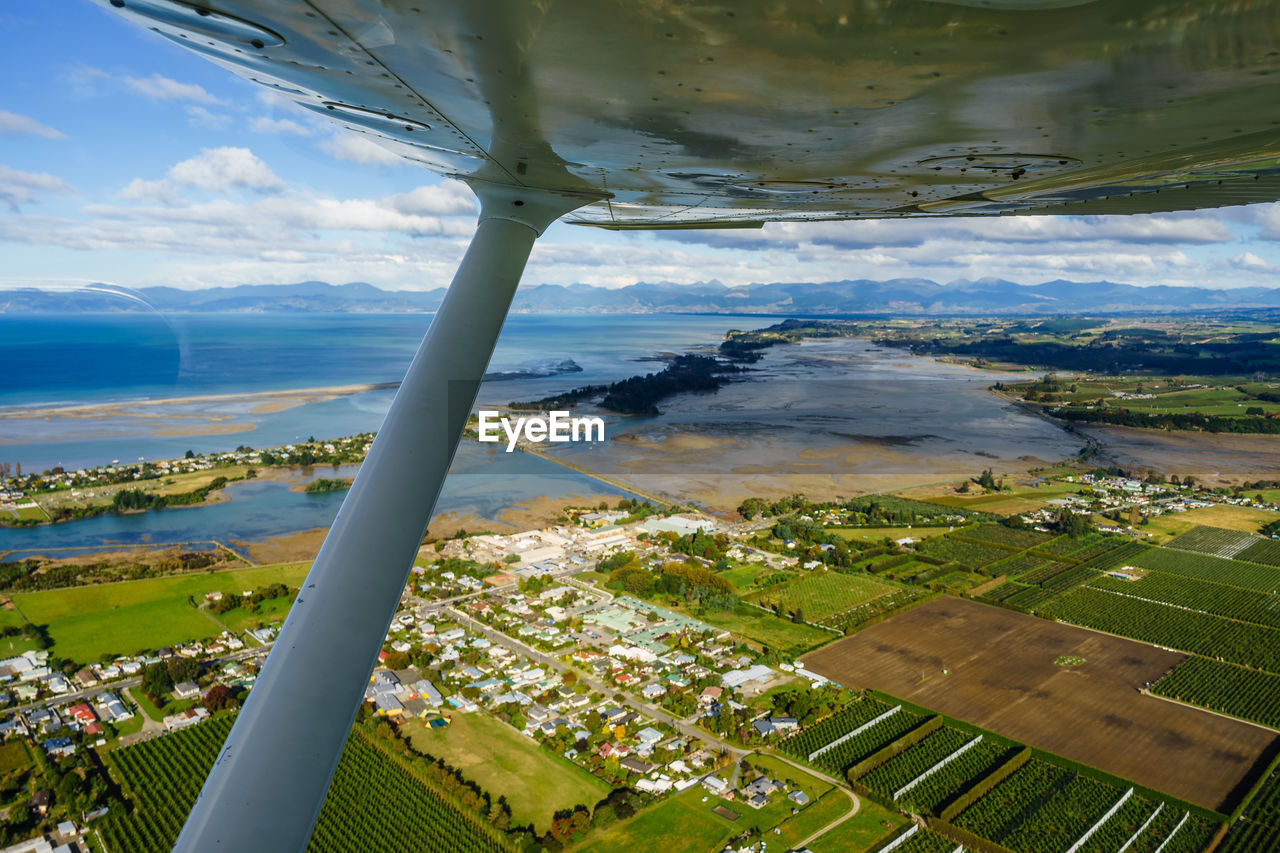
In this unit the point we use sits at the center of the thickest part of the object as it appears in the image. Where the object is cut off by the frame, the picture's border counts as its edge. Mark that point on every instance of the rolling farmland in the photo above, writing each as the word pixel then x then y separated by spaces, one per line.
pixel 1000 673
pixel 371 795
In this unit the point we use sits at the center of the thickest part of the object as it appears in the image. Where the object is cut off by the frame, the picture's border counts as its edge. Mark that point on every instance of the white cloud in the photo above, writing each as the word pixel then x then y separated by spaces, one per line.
pixel 166 89
pixel 198 116
pixel 357 149
pixel 262 124
pixel 17 188
pixel 160 192
pixel 1250 262
pixel 221 169
pixel 20 125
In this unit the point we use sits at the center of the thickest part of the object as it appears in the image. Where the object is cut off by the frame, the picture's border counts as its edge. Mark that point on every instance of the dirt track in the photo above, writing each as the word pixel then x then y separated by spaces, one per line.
pixel 1002 676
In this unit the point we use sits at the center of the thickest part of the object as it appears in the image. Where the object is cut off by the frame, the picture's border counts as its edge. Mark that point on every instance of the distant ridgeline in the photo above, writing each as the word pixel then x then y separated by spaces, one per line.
pixel 640 395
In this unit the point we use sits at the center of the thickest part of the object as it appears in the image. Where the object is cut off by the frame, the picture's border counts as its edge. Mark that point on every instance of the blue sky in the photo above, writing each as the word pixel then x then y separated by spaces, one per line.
pixel 128 160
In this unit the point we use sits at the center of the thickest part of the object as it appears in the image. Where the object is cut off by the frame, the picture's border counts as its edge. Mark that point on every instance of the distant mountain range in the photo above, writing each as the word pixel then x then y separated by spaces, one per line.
pixel 903 296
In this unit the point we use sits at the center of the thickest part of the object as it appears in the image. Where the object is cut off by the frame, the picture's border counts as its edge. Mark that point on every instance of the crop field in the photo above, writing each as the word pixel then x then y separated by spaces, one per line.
pixel 855 749
pixel 372 797
pixel 1095 548
pixel 933 792
pixel 819 595
pixel 1010 537
pixel 1020 564
pixel 1214 541
pixel 812 738
pixel 1045 572
pixel 1259 828
pixel 1045 807
pixel 1264 551
pixel 1245 693
pixel 1126 553
pixel 848 620
pixel 971 554
pixel 1204 567
pixel 1173 627
pixel 1229 602
pixel 995 668
pixel 922 841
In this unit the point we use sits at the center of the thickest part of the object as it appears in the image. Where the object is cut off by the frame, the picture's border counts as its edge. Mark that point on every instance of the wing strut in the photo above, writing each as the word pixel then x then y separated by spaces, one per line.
pixel 270 779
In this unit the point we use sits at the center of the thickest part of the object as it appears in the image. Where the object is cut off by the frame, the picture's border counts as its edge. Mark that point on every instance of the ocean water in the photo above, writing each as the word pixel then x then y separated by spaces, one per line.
pixel 55 361
pixel 832 414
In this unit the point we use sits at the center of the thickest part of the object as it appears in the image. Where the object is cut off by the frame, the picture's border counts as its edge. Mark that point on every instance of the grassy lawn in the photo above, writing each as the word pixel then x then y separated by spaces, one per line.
pixel 679 824
pixel 129 726
pixel 30 512
pixel 744 576
pixel 87 622
pixel 14 755
pixel 812 818
pixel 863 832
pixel 504 762
pixel 143 701
pixel 240 619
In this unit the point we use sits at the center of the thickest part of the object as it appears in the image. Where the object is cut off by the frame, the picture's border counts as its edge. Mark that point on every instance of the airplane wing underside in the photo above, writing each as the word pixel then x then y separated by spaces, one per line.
pixel 705 114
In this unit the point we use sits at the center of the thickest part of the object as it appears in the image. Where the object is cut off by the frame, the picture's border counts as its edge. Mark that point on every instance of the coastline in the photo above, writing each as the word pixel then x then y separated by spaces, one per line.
pixel 273 401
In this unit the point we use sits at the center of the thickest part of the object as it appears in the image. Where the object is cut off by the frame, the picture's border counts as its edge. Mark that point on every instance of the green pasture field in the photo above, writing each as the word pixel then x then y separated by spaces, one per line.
pixel 504 762
pixel 679 824
pixel 865 831
pixel 88 622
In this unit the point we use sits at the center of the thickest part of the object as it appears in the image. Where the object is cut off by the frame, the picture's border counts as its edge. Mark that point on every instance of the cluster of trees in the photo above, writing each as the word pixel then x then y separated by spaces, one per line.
pixel 39 634
pixel 988 481
pixel 1197 421
pixel 134 499
pixel 321 485
pixel 696 584
pixel 699 544
pixel 159 678
pixel 232 600
pixel 756 507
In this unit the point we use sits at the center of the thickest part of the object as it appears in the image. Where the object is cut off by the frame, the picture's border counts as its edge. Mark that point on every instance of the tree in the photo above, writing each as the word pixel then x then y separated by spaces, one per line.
pixel 219 698
pixel 156 680
pixel 182 669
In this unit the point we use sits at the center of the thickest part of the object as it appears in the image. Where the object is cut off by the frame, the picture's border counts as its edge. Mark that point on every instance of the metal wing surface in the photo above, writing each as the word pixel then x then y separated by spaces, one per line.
pixel 688 114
